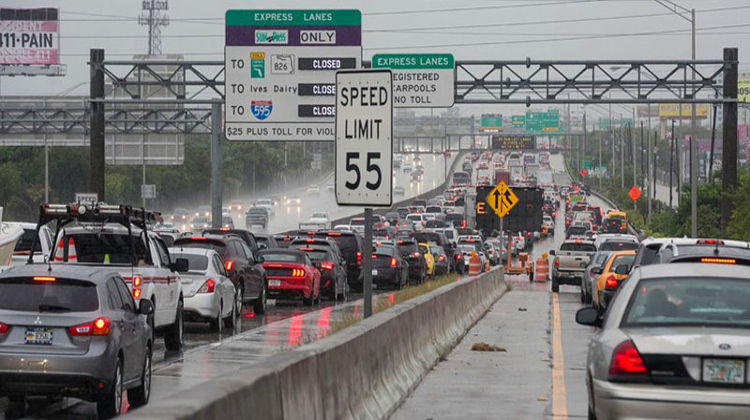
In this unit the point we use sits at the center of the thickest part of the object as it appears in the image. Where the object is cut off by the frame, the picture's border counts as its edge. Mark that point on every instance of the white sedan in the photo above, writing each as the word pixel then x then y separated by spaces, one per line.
pixel 208 292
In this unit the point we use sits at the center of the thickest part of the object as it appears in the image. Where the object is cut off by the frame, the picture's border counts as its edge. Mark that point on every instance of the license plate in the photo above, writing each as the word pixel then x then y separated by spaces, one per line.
pixel 38 335
pixel 726 371
pixel 374 272
pixel 274 283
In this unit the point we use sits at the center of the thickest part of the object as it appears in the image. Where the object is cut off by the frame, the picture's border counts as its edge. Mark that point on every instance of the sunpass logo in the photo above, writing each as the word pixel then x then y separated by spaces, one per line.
pixel 271 36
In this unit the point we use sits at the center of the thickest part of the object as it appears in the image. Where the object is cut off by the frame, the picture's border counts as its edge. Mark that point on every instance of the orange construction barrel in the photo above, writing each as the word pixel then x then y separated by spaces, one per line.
pixel 541 269
pixel 475 264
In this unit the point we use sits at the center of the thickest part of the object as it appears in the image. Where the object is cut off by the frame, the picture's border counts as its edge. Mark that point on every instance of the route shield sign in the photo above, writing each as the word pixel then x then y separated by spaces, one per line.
pixel 501 199
pixel 419 80
pixel 364 138
pixel 281 70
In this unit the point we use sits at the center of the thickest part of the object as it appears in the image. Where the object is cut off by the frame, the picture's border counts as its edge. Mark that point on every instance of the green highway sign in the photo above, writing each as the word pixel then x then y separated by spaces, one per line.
pixel 491 122
pixel 622 122
pixel 543 122
pixel 419 80
pixel 518 120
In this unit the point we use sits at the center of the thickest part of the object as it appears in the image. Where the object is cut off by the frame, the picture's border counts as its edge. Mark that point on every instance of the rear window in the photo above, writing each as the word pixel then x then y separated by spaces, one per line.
pixel 317 255
pixel 577 247
pixel 25 241
pixel 255 210
pixel 348 246
pixel 701 302
pixel 187 243
pixel 357 222
pixel 101 247
pixel 408 248
pixel 62 295
pixel 623 260
pixel 618 246
pixel 414 217
pixel 281 257
pixel 195 262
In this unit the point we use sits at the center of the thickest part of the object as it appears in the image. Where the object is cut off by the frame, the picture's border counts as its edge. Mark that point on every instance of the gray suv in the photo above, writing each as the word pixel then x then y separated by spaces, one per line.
pixel 75 331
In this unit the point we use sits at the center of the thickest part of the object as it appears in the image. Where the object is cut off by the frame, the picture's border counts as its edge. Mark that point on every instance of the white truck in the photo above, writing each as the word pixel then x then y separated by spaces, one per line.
pixel 119 236
pixel 570 262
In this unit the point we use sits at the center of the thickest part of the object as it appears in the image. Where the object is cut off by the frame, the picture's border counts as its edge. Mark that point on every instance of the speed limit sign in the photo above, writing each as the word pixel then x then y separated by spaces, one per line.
pixel 364 138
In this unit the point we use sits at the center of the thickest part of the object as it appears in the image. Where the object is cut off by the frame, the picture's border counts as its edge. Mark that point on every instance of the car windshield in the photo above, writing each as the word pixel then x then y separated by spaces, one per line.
pixel 61 295
pixel 25 241
pixel 198 243
pixel 702 302
pixel 197 263
pixel 100 247
pixel 622 260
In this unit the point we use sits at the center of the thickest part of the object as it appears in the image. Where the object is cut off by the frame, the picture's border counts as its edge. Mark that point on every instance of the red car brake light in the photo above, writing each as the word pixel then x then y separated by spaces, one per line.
pixel 298 272
pixel 393 261
pixel 359 258
pixel 45 279
pixel 326 265
pixel 557 262
pixel 99 326
pixel 626 360
pixel 719 260
pixel 4 328
pixel 208 286
pixel 228 265
pixel 611 283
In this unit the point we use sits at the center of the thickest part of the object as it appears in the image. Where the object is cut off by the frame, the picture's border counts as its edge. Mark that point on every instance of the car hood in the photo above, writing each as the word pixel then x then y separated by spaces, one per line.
pixel 691 341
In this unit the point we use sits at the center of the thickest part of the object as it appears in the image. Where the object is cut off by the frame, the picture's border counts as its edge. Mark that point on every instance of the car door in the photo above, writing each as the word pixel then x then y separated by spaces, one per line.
pixel 225 284
pixel 166 281
pixel 123 320
pixel 254 274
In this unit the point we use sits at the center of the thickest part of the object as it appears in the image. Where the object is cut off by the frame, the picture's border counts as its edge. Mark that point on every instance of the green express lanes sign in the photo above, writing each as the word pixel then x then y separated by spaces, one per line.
pixel 513 142
pixel 543 122
pixel 419 80
pixel 518 121
pixel 491 122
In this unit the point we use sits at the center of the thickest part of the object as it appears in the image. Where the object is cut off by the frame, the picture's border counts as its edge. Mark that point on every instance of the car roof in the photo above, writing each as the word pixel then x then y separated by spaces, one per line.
pixel 92 273
pixel 280 251
pixel 693 270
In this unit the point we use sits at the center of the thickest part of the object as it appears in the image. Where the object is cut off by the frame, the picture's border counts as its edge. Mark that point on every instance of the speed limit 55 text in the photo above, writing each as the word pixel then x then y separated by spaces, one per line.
pixel 367 96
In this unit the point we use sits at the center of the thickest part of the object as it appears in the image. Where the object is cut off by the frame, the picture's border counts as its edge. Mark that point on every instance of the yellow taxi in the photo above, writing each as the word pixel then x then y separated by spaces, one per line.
pixel 424 249
pixel 609 277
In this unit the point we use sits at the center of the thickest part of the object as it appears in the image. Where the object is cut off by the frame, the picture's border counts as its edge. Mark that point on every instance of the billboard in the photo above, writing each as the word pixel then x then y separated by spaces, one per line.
pixel 673 110
pixel 29 37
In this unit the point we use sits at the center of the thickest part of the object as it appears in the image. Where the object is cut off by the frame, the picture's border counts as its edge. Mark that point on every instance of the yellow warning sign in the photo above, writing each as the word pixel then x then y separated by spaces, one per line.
pixel 501 199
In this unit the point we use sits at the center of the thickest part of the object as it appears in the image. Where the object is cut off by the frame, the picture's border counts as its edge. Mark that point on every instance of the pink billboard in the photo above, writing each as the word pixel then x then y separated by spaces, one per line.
pixel 29 36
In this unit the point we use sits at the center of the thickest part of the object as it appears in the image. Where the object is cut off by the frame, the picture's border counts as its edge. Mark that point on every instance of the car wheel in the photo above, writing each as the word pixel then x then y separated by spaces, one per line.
pixel 308 301
pixel 259 307
pixel 216 323
pixel 236 312
pixel 555 285
pixel 110 404
pixel 140 395
pixel 174 336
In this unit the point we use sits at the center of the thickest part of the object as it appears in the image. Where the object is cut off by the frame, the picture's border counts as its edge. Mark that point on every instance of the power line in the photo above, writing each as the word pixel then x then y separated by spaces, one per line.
pixel 474 8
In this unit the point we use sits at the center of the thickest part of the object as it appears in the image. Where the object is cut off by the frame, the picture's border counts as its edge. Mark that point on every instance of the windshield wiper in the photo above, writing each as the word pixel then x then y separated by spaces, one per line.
pixel 53 308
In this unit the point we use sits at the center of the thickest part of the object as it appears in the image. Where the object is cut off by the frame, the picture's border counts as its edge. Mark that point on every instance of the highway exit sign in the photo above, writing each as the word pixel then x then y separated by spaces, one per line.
pixel 419 80
pixel 501 199
pixel 281 71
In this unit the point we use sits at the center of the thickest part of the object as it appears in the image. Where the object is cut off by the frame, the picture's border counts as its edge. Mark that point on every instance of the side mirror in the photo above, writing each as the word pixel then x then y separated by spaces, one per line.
pixel 259 259
pixel 552 252
pixel 622 269
pixel 596 270
pixel 588 316
pixel 180 265
pixel 146 307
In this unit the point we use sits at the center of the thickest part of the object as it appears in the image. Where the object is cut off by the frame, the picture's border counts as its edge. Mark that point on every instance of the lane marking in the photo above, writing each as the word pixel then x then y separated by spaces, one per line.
pixel 559 392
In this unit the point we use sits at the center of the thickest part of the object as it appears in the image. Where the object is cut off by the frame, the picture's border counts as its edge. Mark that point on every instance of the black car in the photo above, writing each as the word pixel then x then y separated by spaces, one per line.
pixel 457 220
pixel 243 234
pixel 265 241
pixel 350 244
pixel 248 277
pixel 283 240
pixel 403 212
pixel 618 245
pixel 332 270
pixel 388 268
pixel 409 250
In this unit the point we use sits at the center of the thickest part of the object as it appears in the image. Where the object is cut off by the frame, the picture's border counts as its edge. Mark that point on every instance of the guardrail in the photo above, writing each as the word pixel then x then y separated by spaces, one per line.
pixel 363 371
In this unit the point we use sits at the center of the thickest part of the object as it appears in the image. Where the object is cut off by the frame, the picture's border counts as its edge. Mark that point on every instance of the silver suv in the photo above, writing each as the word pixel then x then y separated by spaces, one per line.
pixel 75 331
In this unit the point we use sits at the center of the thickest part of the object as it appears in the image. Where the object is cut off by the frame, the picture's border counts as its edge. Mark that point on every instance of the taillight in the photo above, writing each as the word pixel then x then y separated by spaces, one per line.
pixel 136 293
pixel 208 286
pixel 719 260
pixel 45 279
pixel 3 328
pixel 393 261
pixel 441 257
pixel 557 262
pixel 137 281
pixel 415 254
pixel 228 265
pixel 298 272
pixel 626 361
pixel 359 258
pixel 610 283
pixel 99 326
pixel 326 265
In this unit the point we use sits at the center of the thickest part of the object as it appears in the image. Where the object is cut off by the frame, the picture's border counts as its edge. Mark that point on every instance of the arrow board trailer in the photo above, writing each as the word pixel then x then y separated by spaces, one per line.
pixel 364 138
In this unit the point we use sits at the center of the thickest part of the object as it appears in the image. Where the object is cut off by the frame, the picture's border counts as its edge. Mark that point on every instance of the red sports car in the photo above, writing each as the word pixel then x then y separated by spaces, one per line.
pixel 291 275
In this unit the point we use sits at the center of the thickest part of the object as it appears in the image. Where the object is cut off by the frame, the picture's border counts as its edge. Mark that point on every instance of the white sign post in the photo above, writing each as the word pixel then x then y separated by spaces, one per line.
pixel 364 151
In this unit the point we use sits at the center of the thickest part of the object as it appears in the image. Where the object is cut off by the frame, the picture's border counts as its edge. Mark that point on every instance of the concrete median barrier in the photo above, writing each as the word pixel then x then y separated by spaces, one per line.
pixel 363 371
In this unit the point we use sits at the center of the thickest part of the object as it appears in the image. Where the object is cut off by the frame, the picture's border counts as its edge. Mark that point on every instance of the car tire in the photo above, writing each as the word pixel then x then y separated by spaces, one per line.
pixel 308 301
pixel 110 404
pixel 16 407
pixel 259 306
pixel 174 335
pixel 555 285
pixel 236 312
pixel 140 395
pixel 216 323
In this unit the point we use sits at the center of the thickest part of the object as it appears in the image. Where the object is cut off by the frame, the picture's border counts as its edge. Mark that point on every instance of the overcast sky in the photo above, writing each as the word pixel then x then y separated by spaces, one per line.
pixel 487 29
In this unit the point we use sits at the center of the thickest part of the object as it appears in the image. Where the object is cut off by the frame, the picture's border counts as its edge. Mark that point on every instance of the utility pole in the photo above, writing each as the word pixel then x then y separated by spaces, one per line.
pixel 671 167
pixel 612 139
pixel 643 157
pixel 729 150
pixel 622 155
pixel 154 17
pixel 600 158
pixel 584 134
pixel 649 164
pixel 694 149
pixel 96 134
pixel 632 146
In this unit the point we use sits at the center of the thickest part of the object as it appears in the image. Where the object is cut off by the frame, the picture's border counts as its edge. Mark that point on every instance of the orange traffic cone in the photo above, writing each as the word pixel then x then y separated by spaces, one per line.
pixel 72 255
pixel 59 252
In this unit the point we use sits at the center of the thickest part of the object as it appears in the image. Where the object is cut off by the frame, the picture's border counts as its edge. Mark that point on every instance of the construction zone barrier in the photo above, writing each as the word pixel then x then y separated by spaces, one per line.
pixel 541 269
pixel 475 264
